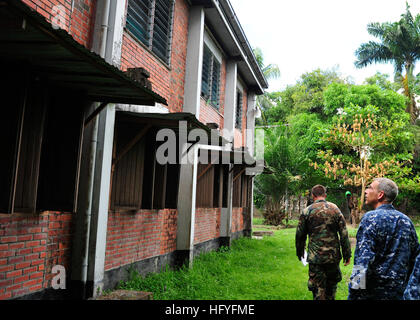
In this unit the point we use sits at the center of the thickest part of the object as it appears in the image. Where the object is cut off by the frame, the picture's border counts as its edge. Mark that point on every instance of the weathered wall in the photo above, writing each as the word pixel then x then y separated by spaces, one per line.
pixel 167 80
pixel 207 224
pixel 136 236
pixel 78 22
pixel 30 245
pixel 237 219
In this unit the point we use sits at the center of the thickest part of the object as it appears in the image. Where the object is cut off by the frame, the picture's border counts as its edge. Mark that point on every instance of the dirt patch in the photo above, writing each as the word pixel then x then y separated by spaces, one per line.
pixel 352 242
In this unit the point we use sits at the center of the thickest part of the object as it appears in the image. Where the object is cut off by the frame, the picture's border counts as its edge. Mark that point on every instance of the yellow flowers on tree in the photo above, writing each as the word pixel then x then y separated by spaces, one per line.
pixel 352 147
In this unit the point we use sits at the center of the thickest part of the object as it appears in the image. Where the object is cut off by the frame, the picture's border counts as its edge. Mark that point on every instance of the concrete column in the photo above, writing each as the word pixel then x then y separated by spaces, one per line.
pixel 115 32
pixel 226 213
pixel 194 61
pixel 229 133
pixel 230 99
pixel 186 205
pixel 250 122
pixel 100 200
pixel 89 241
pixel 108 30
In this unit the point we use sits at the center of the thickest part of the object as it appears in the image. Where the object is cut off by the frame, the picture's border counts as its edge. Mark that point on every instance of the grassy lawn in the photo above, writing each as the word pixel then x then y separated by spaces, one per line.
pixel 252 269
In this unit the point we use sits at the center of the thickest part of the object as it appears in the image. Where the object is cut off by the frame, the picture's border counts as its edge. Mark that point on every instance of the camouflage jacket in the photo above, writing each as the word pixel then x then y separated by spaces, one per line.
pixel 323 221
pixel 386 249
pixel 412 291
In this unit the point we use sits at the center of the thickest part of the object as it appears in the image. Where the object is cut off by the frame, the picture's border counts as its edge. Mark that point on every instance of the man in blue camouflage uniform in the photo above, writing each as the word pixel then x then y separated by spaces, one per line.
pixel 412 291
pixel 323 222
pixel 386 247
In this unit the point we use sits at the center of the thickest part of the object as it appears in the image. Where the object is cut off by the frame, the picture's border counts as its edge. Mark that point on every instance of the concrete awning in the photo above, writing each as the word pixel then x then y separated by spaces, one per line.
pixel 166 120
pixel 28 41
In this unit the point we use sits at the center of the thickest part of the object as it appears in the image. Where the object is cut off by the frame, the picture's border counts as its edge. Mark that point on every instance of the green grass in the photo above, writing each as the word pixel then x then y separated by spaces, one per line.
pixel 252 270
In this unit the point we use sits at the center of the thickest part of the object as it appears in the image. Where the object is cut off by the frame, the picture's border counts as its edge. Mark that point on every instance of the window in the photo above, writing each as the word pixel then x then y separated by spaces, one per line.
pixel 238 112
pixel 39 166
pixel 150 21
pixel 138 180
pixel 210 79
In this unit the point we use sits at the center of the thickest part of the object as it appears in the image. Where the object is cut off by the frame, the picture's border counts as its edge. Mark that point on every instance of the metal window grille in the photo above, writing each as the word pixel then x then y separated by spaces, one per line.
pixel 206 72
pixel 215 83
pixel 239 102
pixel 210 79
pixel 150 21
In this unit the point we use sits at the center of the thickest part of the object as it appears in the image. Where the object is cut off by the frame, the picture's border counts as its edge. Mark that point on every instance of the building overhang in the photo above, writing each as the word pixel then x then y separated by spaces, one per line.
pixel 29 41
pixel 170 121
pixel 222 20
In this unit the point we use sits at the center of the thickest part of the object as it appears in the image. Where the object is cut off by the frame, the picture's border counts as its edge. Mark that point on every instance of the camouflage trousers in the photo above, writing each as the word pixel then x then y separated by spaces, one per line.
pixel 323 279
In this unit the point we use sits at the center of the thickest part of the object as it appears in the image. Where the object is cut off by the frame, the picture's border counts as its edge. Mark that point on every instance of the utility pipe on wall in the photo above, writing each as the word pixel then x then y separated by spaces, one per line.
pixel 92 154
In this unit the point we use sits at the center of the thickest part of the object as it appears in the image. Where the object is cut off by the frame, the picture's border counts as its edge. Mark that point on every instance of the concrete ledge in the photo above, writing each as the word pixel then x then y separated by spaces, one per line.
pixel 126 295
pixel 262 233
pixel 154 264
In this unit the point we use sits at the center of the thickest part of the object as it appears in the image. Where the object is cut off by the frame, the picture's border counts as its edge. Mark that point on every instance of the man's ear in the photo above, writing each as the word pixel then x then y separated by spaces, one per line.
pixel 381 196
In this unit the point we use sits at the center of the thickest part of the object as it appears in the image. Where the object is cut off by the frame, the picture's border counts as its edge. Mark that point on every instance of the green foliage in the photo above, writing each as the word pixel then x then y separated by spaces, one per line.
pixel 306 96
pixel 341 97
pixel 399 44
pixel 311 108
pixel 289 149
pixel 381 80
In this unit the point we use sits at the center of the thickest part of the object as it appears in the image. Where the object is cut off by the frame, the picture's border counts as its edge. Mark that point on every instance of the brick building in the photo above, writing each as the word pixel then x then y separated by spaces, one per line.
pixel 92 87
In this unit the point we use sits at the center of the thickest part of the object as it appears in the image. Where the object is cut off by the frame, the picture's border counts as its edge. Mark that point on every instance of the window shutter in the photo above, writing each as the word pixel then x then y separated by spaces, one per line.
pixel 138 19
pixel 162 28
pixel 150 21
pixel 205 77
pixel 238 122
pixel 215 83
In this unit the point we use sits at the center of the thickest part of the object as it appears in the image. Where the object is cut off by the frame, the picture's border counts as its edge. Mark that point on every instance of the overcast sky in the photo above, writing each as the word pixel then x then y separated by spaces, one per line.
pixel 302 35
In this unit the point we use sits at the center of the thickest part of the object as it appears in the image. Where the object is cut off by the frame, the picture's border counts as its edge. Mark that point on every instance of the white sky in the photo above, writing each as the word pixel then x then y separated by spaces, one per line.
pixel 302 35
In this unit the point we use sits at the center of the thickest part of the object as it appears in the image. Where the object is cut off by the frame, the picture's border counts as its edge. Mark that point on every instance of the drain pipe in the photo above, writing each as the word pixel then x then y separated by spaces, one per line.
pixel 92 156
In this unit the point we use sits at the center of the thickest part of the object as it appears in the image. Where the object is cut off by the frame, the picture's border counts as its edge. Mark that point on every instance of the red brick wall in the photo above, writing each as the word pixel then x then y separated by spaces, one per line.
pixel 79 22
pixel 30 245
pixel 134 237
pixel 237 220
pixel 207 224
pixel 167 81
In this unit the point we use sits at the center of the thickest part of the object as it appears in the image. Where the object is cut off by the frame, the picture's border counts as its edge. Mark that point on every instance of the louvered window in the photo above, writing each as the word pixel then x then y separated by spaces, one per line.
pixel 210 79
pixel 150 21
pixel 238 115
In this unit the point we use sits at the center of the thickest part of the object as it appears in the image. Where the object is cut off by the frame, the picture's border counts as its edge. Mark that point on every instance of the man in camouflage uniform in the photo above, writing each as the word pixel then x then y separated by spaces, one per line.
pixel 412 291
pixel 386 247
pixel 323 221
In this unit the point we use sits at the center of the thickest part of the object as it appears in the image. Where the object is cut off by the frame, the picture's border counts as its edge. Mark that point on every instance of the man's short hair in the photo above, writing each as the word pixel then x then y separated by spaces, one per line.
pixel 389 188
pixel 319 190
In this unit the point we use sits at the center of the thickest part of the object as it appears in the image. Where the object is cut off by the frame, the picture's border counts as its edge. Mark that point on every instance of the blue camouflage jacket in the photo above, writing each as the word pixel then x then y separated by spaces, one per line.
pixel 412 291
pixel 386 249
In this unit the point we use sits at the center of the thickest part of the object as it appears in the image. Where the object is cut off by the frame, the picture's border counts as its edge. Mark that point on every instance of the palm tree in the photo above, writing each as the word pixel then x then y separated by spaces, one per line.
pixel 270 71
pixel 400 45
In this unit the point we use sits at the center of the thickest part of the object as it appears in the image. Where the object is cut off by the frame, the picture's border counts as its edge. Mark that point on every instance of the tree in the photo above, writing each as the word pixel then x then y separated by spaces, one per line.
pixel 361 147
pixel 381 80
pixel 288 151
pixel 399 44
pixel 307 95
pixel 270 71
pixel 389 104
